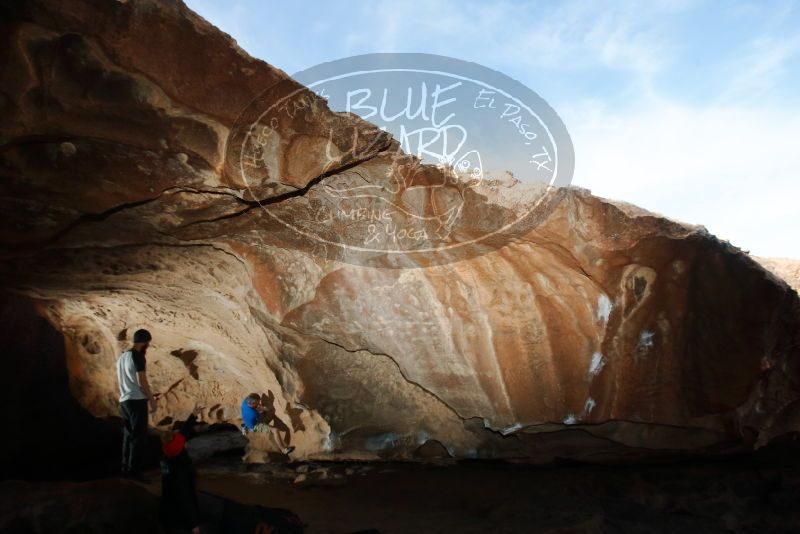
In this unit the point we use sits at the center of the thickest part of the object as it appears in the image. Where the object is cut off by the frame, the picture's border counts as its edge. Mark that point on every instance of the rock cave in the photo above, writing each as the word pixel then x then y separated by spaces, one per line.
pixel 588 372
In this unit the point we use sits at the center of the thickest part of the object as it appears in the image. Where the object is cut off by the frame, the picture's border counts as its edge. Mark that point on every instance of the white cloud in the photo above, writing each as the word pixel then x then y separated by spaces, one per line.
pixel 734 170
pixel 568 34
pixel 754 75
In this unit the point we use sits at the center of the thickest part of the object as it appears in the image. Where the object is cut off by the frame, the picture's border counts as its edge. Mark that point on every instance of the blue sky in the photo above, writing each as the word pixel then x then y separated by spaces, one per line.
pixel 686 108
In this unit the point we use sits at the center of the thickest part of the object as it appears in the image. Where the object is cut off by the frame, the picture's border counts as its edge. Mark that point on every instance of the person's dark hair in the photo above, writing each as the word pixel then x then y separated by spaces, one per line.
pixel 142 336
pixel 254 397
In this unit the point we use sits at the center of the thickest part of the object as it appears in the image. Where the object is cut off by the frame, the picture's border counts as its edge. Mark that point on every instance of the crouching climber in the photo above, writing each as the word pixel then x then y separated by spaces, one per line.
pixel 179 511
pixel 259 418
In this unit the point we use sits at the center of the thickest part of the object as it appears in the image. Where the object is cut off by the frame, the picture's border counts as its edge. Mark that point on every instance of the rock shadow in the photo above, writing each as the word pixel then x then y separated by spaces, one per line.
pixel 188 357
pixel 268 401
pixel 294 415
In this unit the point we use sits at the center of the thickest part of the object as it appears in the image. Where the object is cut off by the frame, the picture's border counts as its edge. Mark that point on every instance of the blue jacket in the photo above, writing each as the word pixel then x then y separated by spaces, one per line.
pixel 250 416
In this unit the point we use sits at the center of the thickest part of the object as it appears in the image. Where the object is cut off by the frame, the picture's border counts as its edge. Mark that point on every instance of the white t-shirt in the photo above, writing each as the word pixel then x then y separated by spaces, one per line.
pixel 128 364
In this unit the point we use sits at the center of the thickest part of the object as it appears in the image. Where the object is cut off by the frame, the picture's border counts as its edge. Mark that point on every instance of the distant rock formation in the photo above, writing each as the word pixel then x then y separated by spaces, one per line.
pixel 784 268
pixel 595 330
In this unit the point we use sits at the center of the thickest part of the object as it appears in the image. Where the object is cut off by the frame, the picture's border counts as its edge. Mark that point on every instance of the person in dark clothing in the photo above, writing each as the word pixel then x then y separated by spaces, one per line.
pixel 134 400
pixel 179 511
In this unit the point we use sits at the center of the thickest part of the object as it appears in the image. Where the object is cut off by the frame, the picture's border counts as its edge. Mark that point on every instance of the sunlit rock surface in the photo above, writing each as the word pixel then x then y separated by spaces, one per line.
pixel 595 331
pixel 788 270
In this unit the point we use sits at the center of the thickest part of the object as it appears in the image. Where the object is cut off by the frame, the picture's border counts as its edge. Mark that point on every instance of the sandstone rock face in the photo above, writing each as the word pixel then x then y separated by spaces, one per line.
pixel 594 330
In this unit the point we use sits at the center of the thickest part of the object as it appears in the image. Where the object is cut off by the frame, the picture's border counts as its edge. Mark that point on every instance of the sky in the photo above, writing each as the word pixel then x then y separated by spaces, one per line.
pixel 688 108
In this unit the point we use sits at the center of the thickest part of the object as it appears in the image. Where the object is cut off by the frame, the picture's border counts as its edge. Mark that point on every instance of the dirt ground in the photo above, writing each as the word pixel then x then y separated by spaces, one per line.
pixel 743 495
pixel 746 493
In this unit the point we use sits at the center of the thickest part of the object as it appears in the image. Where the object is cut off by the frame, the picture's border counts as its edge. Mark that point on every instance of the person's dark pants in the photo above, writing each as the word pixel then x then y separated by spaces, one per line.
pixel 134 433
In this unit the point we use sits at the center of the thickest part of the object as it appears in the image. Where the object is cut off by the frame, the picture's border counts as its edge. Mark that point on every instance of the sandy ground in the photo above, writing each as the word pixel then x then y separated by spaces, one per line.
pixel 746 495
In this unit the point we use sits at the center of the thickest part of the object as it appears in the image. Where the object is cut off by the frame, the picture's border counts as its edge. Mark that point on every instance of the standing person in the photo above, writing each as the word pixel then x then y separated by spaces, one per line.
pixel 179 510
pixel 134 399
pixel 257 418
